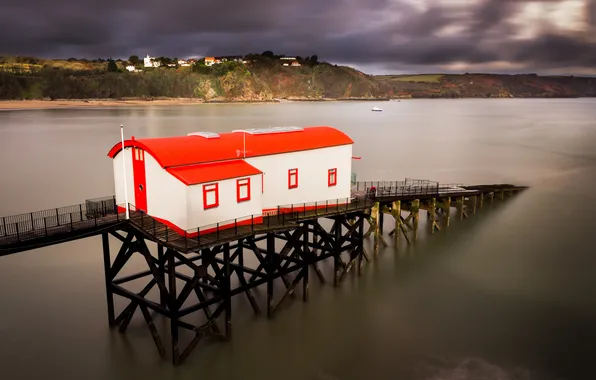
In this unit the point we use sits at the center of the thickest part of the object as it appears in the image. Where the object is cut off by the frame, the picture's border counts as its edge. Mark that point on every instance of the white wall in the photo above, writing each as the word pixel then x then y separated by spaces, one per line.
pixel 118 177
pixel 166 195
pixel 170 199
pixel 228 208
pixel 313 166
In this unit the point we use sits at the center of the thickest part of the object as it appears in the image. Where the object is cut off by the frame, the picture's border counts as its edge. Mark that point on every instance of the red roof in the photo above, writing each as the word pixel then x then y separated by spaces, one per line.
pixel 189 150
pixel 215 171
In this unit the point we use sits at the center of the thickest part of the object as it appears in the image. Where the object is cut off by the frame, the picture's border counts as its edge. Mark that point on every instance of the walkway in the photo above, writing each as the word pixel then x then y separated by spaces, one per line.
pixel 42 228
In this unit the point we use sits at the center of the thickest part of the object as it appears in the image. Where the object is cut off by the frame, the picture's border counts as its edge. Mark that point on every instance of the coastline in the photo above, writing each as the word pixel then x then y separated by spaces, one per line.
pixel 9 105
pixel 13 105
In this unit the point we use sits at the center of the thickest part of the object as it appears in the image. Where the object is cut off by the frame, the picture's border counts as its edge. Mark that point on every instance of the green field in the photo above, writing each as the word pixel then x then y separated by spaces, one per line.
pixel 19 67
pixel 426 78
pixel 11 66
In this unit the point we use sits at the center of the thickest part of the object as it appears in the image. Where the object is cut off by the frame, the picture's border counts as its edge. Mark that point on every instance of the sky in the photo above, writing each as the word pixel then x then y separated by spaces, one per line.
pixel 375 36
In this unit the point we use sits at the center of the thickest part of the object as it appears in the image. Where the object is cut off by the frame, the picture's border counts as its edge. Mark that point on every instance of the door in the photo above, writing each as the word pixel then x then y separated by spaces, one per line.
pixel 138 169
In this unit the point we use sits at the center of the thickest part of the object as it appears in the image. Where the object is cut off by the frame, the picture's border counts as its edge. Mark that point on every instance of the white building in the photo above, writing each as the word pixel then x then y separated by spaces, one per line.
pixel 206 179
pixel 150 61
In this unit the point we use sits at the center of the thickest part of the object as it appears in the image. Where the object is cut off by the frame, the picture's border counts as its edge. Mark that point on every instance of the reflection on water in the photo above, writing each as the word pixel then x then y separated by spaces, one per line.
pixel 506 294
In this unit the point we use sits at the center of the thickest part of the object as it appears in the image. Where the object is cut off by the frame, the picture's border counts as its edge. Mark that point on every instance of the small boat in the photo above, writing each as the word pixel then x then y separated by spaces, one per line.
pixel 376 109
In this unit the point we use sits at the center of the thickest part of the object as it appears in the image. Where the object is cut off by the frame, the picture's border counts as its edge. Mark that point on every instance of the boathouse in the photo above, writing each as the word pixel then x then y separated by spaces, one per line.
pixel 206 179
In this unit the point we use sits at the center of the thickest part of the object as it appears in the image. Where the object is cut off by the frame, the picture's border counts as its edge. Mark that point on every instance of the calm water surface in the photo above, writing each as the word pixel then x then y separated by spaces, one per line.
pixel 507 294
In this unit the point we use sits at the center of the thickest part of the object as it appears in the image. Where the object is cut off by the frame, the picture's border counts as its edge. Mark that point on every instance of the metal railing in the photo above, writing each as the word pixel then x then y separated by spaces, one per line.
pixel 103 211
pixel 283 216
pixel 398 188
pixel 38 224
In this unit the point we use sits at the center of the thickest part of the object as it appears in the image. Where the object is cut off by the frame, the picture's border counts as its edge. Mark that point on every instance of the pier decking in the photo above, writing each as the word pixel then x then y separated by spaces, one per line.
pixel 42 228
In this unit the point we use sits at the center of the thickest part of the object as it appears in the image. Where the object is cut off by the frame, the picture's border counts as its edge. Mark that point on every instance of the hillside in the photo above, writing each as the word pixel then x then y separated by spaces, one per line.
pixel 486 86
pixel 260 78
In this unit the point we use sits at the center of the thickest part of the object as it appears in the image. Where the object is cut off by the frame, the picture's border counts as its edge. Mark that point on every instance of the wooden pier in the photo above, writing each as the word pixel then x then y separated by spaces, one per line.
pixel 288 246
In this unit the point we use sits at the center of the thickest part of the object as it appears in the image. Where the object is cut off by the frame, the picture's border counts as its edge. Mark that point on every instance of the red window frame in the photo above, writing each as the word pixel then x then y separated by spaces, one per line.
pixel 332 173
pixel 292 173
pixel 210 188
pixel 240 183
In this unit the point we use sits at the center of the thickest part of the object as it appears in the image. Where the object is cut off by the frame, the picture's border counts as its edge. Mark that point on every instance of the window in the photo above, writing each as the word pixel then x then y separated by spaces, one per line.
pixel 332 177
pixel 292 178
pixel 138 154
pixel 210 196
pixel 243 189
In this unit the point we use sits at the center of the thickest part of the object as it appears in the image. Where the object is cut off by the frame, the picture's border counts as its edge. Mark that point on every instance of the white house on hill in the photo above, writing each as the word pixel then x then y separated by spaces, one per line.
pixel 206 178
pixel 150 62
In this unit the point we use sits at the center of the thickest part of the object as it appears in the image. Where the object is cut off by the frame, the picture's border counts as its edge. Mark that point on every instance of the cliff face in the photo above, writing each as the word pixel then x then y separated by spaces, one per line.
pixel 267 79
pixel 305 83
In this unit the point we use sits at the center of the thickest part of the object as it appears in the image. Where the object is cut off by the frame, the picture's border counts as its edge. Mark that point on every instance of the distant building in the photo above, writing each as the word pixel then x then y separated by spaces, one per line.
pixel 132 68
pixel 296 64
pixel 233 58
pixel 210 61
pixel 183 63
pixel 287 58
pixel 150 61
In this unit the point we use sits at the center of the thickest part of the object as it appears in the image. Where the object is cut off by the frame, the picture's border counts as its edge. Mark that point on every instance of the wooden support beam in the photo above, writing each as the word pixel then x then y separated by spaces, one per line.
pixel 446 207
pixel 432 213
pixel 371 223
pixel 460 205
pixel 415 213
pixel 382 210
pixel 474 202
pixel 375 210
pixel 396 212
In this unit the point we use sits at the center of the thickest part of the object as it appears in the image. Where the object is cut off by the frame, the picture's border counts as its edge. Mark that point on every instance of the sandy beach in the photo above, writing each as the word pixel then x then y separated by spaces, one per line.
pixel 46 104
pixel 8 105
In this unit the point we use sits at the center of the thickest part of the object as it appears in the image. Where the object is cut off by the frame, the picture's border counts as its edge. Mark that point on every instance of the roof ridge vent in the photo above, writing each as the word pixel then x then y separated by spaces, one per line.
pixel 207 135
pixel 270 130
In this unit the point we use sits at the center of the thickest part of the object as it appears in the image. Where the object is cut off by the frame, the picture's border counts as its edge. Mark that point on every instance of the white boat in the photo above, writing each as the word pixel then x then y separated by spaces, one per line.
pixel 376 109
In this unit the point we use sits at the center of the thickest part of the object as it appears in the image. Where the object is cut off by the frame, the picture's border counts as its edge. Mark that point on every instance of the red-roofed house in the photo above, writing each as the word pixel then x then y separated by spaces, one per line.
pixel 206 178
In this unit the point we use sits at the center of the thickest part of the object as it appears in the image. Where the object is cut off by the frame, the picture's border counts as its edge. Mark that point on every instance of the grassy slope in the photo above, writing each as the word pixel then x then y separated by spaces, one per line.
pixel 486 85
pixel 424 78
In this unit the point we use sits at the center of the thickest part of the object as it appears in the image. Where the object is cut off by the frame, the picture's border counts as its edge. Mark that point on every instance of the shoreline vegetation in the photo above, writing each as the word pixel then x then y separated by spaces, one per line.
pixel 30 83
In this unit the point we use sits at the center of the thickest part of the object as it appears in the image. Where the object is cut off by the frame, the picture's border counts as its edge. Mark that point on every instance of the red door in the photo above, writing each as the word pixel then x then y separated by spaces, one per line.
pixel 138 169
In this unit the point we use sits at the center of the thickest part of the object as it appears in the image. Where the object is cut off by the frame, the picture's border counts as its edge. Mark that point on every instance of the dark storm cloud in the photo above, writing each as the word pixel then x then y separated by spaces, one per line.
pixel 382 32
pixel 555 50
